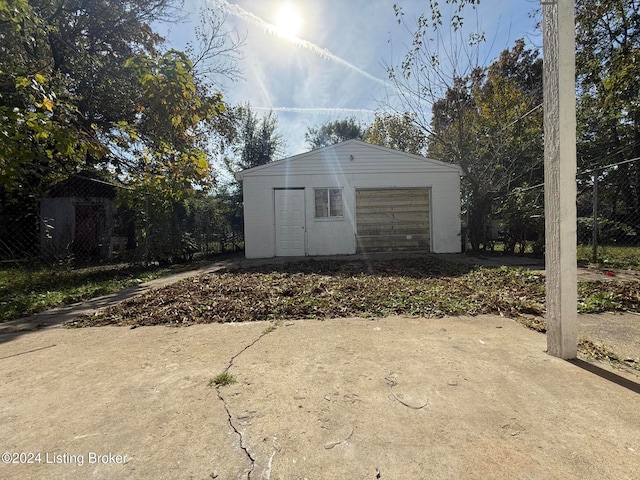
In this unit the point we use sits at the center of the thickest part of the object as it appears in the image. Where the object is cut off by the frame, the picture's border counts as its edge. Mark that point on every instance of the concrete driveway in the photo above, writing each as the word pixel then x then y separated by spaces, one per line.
pixel 393 398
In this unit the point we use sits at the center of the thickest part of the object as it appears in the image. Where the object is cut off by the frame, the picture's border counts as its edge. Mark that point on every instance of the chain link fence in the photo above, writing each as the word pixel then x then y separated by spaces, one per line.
pixel 608 211
pixel 609 214
pixel 85 221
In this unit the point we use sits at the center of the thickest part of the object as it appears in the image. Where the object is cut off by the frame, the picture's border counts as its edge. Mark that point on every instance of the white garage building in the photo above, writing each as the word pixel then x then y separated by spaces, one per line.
pixel 348 198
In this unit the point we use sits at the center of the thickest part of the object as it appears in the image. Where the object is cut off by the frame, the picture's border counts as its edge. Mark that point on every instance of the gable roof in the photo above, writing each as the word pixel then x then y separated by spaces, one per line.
pixel 343 149
pixel 84 184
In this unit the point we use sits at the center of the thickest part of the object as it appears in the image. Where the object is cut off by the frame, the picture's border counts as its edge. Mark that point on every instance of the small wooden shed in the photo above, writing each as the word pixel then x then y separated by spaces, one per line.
pixel 351 197
pixel 77 218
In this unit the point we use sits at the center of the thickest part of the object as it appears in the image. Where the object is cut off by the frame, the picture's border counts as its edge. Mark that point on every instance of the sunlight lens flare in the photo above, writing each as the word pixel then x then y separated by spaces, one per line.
pixel 288 20
pixel 273 29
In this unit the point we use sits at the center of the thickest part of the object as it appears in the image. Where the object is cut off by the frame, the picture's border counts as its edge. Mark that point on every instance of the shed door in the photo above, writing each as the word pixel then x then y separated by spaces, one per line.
pixel 392 219
pixel 89 225
pixel 290 223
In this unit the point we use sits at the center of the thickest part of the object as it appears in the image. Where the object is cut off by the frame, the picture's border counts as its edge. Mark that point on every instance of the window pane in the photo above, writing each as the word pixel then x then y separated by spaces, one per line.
pixel 336 202
pixel 322 203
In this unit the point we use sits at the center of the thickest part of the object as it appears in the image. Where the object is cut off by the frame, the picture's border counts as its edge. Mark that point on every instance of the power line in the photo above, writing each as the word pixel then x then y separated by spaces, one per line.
pixel 584 172
pixel 609 166
pixel 525 115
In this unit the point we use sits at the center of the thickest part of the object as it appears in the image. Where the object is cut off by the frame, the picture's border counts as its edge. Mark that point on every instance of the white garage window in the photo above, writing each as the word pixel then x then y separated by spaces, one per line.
pixel 328 202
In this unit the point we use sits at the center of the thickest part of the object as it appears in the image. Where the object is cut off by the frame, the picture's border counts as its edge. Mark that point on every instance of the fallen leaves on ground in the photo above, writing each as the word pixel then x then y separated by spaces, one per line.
pixel 602 353
pixel 422 286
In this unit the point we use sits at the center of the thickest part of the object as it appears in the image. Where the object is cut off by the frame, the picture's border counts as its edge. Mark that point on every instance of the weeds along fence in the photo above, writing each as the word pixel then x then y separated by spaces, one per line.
pixel 84 221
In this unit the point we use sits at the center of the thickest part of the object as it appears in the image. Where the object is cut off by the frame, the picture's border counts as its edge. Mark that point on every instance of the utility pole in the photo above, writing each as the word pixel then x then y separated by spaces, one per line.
pixel 560 176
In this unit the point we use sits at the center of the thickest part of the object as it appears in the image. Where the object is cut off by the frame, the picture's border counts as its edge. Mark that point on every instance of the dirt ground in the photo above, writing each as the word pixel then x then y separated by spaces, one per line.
pixel 388 398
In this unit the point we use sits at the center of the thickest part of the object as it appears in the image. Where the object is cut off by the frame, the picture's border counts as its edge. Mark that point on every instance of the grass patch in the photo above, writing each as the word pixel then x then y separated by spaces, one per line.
pixel 25 291
pixel 223 379
pixel 272 327
pixel 598 297
pixel 611 256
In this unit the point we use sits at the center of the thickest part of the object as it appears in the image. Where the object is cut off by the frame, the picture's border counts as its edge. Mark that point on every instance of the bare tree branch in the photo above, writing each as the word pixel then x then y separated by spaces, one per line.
pixel 218 50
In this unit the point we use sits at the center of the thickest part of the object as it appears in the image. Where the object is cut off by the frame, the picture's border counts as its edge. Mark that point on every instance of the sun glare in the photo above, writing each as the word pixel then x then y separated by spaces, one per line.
pixel 288 20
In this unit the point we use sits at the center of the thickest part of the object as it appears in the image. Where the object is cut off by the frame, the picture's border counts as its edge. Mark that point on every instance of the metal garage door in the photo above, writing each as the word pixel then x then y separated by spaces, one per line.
pixel 392 219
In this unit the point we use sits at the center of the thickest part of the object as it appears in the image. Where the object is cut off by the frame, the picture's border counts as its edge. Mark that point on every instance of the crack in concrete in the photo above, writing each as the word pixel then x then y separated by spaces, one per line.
pixel 240 435
pixel 233 358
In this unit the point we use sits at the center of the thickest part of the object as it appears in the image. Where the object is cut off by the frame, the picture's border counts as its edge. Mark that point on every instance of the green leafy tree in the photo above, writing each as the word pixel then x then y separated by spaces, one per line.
pixel 84 85
pixel 490 122
pixel 164 141
pixel 481 118
pixel 397 131
pixel 253 140
pixel 38 114
pixel 163 152
pixel 608 69
pixel 334 132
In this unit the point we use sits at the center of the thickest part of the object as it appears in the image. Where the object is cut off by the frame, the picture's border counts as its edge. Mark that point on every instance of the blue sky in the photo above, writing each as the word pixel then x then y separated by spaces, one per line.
pixel 336 67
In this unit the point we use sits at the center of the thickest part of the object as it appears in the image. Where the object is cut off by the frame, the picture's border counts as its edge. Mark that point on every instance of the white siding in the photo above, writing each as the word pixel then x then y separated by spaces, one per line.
pixel 349 158
pixel 349 165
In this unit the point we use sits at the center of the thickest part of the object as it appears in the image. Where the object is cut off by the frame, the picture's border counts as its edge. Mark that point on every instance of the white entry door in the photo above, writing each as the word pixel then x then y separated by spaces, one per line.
pixel 290 223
